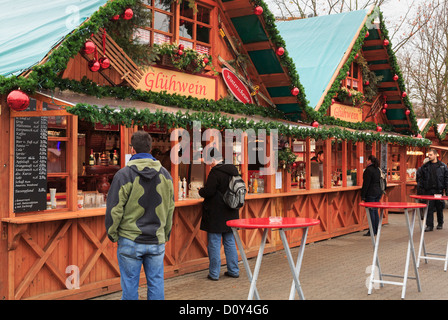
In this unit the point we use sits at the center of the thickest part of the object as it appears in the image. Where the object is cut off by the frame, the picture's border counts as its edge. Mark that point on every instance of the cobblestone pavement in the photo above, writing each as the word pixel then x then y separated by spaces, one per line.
pixel 333 269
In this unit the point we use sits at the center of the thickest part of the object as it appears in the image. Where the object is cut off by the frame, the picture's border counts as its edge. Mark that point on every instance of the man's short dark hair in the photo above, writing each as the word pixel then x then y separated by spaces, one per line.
pixel 141 141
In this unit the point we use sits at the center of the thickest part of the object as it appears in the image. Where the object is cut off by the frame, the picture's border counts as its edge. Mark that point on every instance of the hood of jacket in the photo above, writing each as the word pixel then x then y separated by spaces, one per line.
pixel 145 168
pixel 227 168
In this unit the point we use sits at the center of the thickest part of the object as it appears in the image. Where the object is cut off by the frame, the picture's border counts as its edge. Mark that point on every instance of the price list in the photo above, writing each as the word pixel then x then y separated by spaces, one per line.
pixel 30 164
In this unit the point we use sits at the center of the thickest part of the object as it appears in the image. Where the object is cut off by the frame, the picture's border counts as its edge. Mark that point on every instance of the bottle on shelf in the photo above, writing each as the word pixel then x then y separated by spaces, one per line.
pixel 115 158
pixel 91 158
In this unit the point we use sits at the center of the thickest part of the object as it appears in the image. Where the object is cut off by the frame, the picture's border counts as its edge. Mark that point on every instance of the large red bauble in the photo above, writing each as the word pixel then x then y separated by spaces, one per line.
pixel 104 62
pixel 404 94
pixel 315 124
pixel 385 106
pixel 205 60
pixel 395 77
pixel 378 129
pixel 408 112
pixel 94 66
pixel 295 91
pixel 181 47
pixel 89 47
pixel 18 100
pixel 180 52
pixel 386 42
pixel 367 34
pixel 116 17
pixel 384 110
pixel 258 10
pixel 128 14
pixel 280 51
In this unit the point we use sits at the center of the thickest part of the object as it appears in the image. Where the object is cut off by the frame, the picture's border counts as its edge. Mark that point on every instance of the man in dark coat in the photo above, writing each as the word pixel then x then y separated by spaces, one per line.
pixel 432 178
pixel 215 214
pixel 371 190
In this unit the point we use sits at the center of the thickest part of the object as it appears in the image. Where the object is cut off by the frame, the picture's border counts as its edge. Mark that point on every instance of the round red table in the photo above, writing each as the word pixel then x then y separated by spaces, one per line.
pixel 282 224
pixel 376 240
pixel 422 230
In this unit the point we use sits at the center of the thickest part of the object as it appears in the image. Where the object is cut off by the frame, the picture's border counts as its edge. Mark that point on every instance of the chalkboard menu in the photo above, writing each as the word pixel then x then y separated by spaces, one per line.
pixel 30 164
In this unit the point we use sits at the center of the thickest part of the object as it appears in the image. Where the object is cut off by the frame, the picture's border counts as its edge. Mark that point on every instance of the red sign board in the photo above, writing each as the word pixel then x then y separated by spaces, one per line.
pixel 236 86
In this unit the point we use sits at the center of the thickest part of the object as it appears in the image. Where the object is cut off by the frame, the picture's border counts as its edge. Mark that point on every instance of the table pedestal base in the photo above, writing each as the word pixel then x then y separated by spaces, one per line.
pixel 410 252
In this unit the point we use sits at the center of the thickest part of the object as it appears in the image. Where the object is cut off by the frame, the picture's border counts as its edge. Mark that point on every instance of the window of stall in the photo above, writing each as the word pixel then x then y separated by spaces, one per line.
pixel 298 171
pixel 337 160
pixel 195 25
pixel 354 78
pixel 414 159
pixel 393 168
pixel 352 160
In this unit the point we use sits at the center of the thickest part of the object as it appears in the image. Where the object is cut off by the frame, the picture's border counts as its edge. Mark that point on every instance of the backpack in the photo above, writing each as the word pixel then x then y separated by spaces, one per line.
pixel 383 182
pixel 235 193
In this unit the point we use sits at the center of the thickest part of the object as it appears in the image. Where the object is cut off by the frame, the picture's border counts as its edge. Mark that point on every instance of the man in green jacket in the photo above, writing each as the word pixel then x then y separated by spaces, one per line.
pixel 139 214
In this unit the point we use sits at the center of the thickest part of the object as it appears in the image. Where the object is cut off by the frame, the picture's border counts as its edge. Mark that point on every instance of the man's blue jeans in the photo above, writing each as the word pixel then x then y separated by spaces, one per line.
pixel 214 253
pixel 374 216
pixel 131 256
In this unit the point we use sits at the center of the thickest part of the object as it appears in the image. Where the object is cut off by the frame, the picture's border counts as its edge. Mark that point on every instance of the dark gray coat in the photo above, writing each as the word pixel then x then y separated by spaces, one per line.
pixel 215 213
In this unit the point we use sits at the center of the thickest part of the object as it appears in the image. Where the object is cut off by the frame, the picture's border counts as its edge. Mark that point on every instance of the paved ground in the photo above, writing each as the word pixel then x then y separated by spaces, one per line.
pixel 332 269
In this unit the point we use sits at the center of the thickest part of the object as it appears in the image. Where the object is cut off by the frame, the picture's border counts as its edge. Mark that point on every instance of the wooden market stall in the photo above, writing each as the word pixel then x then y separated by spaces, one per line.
pixel 61 150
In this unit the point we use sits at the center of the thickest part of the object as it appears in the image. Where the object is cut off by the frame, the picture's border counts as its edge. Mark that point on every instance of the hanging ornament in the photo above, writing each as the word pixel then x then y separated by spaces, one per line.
pixel 181 47
pixel 384 111
pixel 407 112
pixel 356 56
pixel 205 60
pixel 280 51
pixel 128 14
pixel 386 42
pixel 94 65
pixel 378 129
pixel 116 17
pixel 18 100
pixel 367 83
pixel 367 34
pixel 258 10
pixel 315 124
pixel 104 61
pixel 385 106
pixel 89 47
pixel 295 91
pixel 395 77
pixel 180 52
pixel 404 94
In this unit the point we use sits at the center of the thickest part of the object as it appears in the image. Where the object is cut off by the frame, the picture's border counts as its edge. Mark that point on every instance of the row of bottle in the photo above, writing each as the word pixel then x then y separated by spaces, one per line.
pixel 104 159
pixel 256 184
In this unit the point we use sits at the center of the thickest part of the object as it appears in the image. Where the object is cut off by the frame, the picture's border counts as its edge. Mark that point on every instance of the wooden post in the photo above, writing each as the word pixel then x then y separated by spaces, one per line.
pixel 359 165
pixel 245 160
pixel 308 163
pixel 344 163
pixel 174 156
pixel 403 175
pixel 270 178
pixel 327 163
pixel 286 187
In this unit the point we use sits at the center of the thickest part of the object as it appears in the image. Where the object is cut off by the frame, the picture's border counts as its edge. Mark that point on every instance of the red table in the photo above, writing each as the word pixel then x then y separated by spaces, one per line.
pixel 422 230
pixel 376 241
pixel 281 224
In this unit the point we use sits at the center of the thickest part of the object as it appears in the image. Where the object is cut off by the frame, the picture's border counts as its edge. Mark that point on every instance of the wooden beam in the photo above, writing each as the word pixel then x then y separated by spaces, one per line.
pixel 384 66
pixel 262 45
pixel 275 80
pixel 284 100
pixel 373 55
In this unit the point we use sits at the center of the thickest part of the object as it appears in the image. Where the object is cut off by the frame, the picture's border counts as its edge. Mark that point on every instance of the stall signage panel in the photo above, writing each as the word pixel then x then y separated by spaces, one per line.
pixel 30 164
pixel 346 113
pixel 185 84
pixel 236 86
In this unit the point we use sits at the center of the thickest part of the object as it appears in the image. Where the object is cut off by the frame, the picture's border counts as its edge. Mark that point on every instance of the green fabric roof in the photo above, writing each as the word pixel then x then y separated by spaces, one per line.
pixel 317 46
pixel 29 29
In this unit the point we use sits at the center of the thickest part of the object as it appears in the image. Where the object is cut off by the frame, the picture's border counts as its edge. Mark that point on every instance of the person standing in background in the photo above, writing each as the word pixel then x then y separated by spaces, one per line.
pixel 371 190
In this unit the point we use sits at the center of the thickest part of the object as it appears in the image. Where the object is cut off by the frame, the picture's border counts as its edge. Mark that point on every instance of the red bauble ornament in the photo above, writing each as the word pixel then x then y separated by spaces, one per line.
pixel 205 60
pixel 94 66
pixel 180 52
pixel 181 47
pixel 18 100
pixel 89 47
pixel 408 112
pixel 367 83
pixel 385 106
pixel 386 42
pixel 367 34
pixel 104 62
pixel 280 51
pixel 258 10
pixel 295 91
pixel 378 129
pixel 404 94
pixel 128 14
pixel 384 110
pixel 315 124
pixel 116 17
pixel 395 77
pixel 356 56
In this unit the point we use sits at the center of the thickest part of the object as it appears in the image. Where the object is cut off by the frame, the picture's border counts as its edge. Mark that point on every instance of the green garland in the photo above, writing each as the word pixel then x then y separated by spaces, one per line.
pixel 130 117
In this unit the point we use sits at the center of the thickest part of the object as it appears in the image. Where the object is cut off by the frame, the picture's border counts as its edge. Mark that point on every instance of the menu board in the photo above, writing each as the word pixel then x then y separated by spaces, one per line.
pixel 30 164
